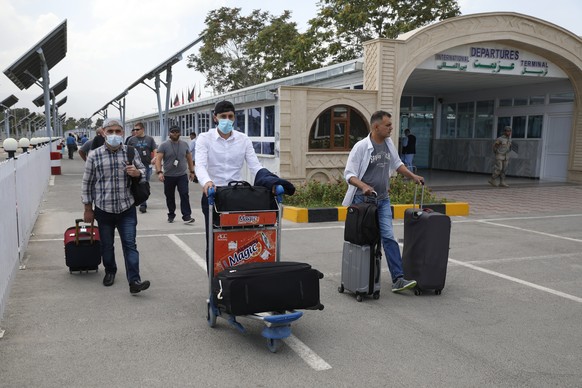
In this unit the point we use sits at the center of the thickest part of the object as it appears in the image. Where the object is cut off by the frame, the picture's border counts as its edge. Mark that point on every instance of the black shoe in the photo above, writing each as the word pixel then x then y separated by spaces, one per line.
pixel 108 279
pixel 189 221
pixel 137 286
pixel 143 209
pixel 171 219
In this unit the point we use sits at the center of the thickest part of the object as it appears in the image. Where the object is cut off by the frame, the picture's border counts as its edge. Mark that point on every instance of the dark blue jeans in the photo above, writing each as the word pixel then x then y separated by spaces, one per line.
pixel 170 184
pixel 126 224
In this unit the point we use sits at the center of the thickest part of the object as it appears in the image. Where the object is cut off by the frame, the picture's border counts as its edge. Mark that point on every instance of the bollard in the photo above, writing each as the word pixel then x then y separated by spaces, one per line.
pixel 55 163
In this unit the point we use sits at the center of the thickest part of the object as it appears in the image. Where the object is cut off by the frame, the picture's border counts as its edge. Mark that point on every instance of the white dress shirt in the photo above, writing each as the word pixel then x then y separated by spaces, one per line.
pixel 221 160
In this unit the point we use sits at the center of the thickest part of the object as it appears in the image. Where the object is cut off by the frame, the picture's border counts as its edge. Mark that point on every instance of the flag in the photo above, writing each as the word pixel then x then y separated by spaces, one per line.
pixel 199 90
pixel 176 100
pixel 182 97
pixel 189 95
pixel 192 95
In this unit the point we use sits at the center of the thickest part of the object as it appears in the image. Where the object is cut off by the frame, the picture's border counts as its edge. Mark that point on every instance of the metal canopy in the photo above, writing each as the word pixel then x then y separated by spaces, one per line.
pixel 8 102
pixel 62 102
pixel 54 47
pixel 155 73
pixel 54 91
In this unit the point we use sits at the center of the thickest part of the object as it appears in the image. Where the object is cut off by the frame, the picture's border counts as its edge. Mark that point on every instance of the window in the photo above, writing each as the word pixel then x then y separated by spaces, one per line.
pixel 505 102
pixel 254 121
pixel 537 100
pixel 502 122
pixel 423 104
pixel 449 119
pixel 239 121
pixel 534 127
pixel 518 127
pixel 484 119
pixel 560 98
pixel 520 101
pixel 337 128
pixel 465 119
pixel 270 121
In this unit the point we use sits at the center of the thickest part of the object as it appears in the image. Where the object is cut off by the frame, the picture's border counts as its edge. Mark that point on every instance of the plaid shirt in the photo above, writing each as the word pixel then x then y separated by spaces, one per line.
pixel 105 181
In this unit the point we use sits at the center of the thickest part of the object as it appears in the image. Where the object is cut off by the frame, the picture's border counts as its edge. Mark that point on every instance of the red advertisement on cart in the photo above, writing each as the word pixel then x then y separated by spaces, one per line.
pixel 232 248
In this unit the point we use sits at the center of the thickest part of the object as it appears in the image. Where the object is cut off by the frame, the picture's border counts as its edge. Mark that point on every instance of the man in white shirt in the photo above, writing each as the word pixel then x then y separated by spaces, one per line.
pixel 220 155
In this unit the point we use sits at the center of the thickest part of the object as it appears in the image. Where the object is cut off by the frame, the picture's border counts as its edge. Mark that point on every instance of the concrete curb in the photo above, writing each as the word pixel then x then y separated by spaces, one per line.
pixel 299 214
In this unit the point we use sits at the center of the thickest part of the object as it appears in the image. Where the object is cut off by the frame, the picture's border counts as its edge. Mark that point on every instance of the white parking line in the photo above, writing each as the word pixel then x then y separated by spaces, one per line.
pixel 532 231
pixel 516 280
pixel 302 350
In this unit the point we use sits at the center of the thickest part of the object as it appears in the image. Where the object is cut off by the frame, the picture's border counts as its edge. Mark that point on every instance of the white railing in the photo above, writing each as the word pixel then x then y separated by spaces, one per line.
pixel 23 182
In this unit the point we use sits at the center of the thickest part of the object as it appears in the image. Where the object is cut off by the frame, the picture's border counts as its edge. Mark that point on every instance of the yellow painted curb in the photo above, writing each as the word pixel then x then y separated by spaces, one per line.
pixel 295 214
pixel 299 214
pixel 457 209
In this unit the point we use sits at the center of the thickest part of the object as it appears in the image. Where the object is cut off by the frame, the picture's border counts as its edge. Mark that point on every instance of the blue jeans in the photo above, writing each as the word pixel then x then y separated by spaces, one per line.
pixel 148 174
pixel 391 247
pixel 170 184
pixel 126 224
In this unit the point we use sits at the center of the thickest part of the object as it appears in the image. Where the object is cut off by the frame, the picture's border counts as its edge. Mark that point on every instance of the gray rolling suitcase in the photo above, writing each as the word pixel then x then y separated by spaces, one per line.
pixel 425 254
pixel 361 265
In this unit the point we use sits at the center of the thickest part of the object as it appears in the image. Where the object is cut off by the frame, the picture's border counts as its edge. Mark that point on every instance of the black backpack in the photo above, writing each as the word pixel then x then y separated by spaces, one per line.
pixel 362 226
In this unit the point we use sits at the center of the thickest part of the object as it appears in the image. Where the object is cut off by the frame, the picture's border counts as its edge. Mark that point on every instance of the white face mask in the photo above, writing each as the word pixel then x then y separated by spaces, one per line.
pixel 114 140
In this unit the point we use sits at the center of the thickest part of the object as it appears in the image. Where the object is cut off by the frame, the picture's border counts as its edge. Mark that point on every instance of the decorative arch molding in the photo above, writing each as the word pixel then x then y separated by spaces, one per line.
pixel 352 103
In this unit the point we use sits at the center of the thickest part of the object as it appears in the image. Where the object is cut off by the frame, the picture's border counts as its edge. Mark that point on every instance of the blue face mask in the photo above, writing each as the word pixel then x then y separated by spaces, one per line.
pixel 225 126
pixel 114 140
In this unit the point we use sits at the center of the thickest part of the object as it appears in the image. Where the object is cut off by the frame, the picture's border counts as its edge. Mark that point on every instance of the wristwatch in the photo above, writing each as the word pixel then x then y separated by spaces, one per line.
pixel 191 172
pixel 160 172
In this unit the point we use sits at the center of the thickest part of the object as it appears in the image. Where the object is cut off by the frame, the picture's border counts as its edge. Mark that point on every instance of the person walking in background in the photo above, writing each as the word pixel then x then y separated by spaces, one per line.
pixel 106 186
pixel 177 162
pixel 367 171
pixel 71 145
pixel 88 146
pixel 408 149
pixel 145 146
pixel 501 148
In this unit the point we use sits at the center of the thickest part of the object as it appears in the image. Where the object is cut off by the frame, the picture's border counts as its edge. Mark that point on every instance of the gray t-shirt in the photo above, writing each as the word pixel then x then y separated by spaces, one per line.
pixel 378 173
pixel 144 147
pixel 174 152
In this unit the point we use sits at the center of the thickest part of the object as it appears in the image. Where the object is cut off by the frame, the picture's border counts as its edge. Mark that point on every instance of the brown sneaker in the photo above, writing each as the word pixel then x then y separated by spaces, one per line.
pixel 492 182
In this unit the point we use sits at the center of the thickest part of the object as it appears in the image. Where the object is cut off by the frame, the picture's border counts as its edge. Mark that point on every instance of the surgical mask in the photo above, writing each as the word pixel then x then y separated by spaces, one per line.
pixel 225 126
pixel 114 140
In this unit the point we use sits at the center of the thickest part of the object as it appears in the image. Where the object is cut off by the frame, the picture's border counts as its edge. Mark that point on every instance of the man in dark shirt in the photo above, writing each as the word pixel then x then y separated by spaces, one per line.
pixel 409 149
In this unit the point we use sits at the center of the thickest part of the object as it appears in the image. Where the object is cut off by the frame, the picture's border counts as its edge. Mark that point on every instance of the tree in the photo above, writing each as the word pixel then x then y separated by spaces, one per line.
pixel 341 26
pixel 249 50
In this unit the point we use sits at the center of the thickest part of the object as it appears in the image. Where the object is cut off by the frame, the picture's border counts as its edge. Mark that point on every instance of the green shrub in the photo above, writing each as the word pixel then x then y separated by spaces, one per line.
pixel 315 194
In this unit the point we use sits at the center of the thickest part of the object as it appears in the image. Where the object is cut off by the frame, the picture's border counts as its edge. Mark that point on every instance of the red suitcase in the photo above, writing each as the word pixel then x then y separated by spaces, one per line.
pixel 82 247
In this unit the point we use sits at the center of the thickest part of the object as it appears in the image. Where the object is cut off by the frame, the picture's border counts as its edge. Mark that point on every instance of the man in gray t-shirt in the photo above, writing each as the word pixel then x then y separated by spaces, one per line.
pixel 176 158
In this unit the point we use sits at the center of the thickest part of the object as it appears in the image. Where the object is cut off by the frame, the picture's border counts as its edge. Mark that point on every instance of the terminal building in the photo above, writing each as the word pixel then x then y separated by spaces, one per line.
pixel 455 84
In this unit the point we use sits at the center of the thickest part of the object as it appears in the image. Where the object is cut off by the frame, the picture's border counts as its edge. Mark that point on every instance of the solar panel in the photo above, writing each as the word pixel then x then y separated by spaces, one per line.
pixel 8 102
pixel 57 89
pixel 28 68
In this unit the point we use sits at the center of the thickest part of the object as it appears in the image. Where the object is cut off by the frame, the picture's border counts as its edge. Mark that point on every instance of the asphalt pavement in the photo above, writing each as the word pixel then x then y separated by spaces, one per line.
pixel 509 315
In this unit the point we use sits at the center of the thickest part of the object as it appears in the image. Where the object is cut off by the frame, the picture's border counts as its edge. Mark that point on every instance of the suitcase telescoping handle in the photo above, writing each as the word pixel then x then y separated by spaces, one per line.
pixel 421 196
pixel 77 221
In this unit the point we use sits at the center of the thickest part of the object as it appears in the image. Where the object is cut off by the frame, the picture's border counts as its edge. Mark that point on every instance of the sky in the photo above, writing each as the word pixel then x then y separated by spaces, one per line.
pixel 113 43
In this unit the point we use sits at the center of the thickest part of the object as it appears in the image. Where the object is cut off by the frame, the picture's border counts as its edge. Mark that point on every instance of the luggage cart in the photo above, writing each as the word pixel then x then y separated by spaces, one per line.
pixel 226 231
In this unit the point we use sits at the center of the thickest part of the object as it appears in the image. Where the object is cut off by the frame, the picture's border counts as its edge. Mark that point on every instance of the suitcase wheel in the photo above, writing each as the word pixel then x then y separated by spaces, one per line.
pixel 437 292
pixel 210 315
pixel 376 295
pixel 359 297
pixel 341 289
pixel 273 344
pixel 417 291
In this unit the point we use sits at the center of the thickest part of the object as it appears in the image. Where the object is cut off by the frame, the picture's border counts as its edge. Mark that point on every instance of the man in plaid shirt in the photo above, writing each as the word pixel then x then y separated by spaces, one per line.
pixel 106 185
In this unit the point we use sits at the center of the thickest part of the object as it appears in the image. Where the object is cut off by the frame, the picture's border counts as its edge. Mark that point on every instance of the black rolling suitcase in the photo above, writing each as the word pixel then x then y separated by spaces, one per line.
pixel 425 254
pixel 82 247
pixel 268 286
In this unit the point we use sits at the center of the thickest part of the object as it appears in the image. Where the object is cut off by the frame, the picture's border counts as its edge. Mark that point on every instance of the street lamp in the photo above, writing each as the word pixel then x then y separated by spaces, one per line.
pixel 24 143
pixel 10 146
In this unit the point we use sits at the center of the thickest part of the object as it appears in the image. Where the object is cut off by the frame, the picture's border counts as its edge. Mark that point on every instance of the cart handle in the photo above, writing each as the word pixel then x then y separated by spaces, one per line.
pixel 279 190
pixel 211 193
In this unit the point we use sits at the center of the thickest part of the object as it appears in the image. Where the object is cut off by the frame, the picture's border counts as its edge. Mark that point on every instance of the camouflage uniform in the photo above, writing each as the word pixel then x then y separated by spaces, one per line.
pixel 502 147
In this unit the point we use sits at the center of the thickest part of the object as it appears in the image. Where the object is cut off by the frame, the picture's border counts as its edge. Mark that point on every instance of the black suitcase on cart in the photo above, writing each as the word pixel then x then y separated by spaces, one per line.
pixel 425 255
pixel 269 286
pixel 82 247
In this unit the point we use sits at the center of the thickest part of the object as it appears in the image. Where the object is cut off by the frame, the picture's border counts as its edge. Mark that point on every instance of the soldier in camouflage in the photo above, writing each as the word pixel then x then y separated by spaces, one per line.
pixel 501 147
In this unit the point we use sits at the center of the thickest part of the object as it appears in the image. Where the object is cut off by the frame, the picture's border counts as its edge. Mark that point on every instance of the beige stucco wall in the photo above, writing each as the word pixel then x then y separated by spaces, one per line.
pixel 299 107
pixel 389 63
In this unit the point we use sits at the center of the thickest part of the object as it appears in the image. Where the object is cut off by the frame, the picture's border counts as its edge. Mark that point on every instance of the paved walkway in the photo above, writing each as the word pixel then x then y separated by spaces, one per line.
pixel 509 315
